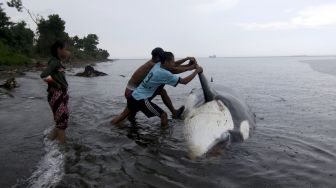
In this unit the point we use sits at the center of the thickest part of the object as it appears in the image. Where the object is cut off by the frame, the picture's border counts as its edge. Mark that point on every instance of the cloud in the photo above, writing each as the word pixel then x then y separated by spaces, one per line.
pixel 311 17
pixel 213 5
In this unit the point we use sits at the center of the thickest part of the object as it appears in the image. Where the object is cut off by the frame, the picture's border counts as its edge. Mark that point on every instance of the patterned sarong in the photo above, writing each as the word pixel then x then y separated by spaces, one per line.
pixel 58 101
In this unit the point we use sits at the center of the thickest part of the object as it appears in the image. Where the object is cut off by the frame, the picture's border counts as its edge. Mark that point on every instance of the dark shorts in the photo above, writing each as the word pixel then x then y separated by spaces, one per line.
pixel 145 105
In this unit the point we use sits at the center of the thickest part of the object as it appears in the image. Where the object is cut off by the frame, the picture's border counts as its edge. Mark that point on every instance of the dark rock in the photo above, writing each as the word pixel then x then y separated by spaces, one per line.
pixel 90 72
pixel 39 64
pixel 9 84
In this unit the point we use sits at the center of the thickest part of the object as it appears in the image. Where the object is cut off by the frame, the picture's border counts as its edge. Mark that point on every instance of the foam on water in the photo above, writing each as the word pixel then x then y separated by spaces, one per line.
pixel 50 169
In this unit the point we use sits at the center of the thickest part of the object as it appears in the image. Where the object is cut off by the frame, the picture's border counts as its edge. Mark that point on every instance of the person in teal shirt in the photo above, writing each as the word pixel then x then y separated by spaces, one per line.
pixel 156 79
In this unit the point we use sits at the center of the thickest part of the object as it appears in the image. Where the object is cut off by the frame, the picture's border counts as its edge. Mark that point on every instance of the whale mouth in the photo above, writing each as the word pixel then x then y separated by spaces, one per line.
pixel 219 145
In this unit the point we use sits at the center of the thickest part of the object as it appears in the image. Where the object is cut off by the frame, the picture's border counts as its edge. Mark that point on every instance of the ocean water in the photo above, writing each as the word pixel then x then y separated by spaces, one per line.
pixel 293 144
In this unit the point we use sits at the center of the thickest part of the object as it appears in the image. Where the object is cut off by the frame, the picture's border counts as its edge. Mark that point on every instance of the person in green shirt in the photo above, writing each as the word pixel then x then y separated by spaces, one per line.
pixel 54 76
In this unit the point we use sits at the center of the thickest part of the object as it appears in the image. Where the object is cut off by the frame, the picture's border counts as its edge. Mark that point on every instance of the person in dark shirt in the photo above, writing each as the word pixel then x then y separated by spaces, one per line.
pixel 54 76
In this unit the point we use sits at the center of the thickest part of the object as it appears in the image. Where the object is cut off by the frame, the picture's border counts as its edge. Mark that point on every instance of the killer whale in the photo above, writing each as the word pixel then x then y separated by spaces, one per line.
pixel 211 118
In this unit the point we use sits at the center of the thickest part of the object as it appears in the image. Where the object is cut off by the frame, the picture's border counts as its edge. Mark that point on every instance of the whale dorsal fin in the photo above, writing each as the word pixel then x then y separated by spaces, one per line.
pixel 207 91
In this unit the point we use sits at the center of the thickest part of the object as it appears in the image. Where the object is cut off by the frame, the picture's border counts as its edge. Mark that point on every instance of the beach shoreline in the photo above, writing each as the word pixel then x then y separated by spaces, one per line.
pixel 10 71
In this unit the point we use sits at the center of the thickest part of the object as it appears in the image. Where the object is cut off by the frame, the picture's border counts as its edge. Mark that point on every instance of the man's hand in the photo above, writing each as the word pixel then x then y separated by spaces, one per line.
pixel 191 58
pixel 181 61
pixel 187 79
pixel 199 69
pixel 192 63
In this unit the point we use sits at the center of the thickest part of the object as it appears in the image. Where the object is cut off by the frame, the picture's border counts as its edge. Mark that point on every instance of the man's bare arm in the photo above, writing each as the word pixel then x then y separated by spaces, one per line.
pixel 181 61
pixel 190 64
pixel 187 79
pixel 182 69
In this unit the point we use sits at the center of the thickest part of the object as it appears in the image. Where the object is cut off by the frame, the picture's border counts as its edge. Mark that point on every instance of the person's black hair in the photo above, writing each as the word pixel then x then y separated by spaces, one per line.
pixel 55 46
pixel 157 52
pixel 166 56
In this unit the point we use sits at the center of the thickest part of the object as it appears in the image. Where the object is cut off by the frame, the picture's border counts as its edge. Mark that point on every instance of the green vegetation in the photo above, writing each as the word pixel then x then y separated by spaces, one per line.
pixel 10 57
pixel 86 48
pixel 18 43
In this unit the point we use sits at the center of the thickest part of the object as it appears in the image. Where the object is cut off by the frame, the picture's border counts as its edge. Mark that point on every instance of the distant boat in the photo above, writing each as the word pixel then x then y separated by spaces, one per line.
pixel 212 56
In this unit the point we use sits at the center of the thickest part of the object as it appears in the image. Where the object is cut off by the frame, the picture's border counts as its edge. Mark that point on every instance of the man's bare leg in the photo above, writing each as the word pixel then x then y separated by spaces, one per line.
pixel 121 117
pixel 131 116
pixel 166 100
pixel 164 120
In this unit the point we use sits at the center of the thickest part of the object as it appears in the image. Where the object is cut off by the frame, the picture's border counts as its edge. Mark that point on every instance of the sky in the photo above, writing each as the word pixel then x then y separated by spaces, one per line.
pixel 226 28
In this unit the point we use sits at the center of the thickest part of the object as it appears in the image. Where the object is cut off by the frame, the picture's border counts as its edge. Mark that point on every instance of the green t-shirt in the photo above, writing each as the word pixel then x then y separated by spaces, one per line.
pixel 56 70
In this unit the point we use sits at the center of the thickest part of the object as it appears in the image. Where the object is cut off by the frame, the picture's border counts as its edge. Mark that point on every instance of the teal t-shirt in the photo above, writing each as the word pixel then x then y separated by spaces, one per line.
pixel 156 77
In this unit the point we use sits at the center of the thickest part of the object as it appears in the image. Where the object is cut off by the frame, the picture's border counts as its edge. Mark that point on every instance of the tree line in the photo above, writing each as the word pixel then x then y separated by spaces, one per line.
pixel 19 44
